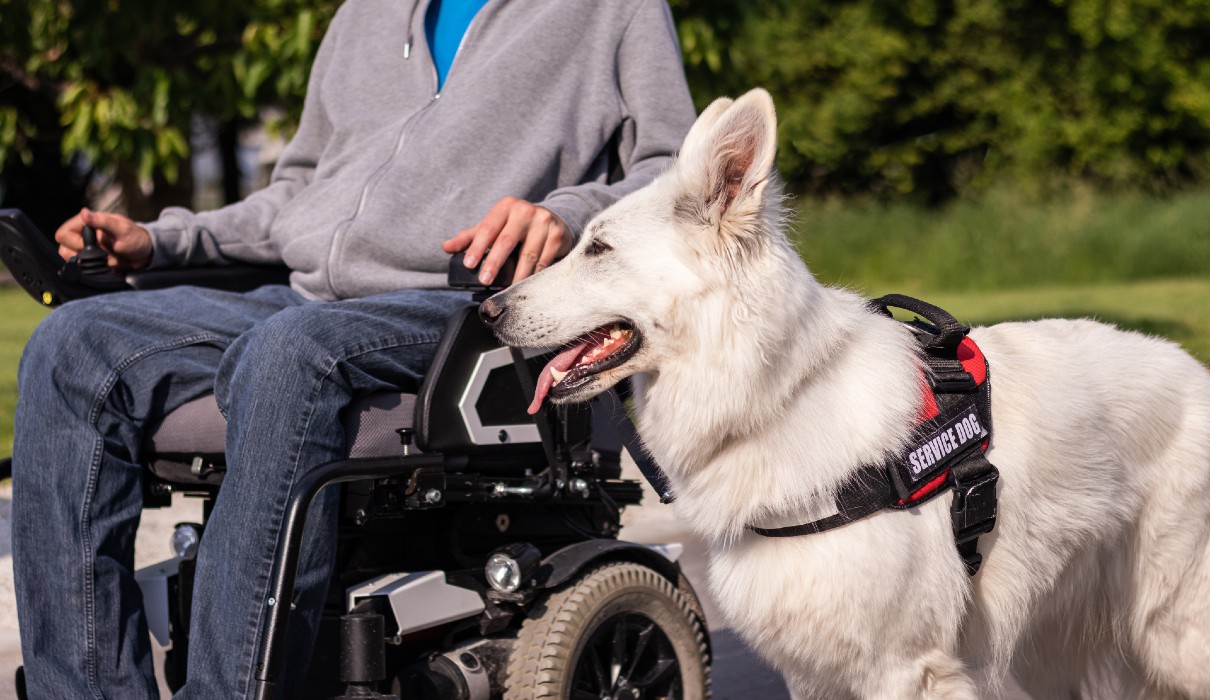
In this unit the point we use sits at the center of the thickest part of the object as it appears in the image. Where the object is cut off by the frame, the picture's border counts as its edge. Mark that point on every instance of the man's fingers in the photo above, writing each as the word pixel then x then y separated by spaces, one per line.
pixel 542 225
pixel 460 240
pixel 512 222
pixel 128 243
pixel 531 249
pixel 553 246
pixel 514 232
pixel 68 236
pixel 115 227
pixel 487 230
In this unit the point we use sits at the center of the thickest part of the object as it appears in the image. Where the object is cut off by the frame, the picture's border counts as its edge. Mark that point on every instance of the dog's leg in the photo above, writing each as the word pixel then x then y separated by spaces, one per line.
pixel 1172 640
pixel 1168 582
pixel 934 676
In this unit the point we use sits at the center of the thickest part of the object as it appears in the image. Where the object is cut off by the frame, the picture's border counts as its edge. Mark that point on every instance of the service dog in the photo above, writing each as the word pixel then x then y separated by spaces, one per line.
pixel 765 389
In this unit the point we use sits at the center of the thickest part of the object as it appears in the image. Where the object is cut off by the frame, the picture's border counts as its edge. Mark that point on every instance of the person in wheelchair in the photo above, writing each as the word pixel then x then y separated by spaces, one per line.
pixel 428 129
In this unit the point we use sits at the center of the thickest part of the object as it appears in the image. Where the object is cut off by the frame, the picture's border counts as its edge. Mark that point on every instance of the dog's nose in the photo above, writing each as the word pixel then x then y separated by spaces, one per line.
pixel 490 312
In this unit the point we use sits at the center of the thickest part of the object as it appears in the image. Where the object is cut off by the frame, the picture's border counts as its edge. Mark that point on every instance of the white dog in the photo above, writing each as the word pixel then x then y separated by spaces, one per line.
pixel 767 389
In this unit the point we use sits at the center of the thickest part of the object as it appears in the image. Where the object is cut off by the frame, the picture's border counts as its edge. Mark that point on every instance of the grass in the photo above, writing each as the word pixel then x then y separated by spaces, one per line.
pixel 1138 262
pixel 1175 309
pixel 18 316
pixel 1006 240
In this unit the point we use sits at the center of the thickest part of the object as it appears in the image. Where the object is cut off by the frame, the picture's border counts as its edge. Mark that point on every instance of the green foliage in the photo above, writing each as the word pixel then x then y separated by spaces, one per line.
pixel 126 76
pixel 937 97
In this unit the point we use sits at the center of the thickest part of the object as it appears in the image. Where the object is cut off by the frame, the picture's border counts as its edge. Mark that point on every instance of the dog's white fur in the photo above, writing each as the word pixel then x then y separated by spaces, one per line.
pixel 766 389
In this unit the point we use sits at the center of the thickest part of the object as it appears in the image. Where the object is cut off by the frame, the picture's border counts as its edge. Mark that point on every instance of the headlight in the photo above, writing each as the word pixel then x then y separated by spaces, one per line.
pixel 185 540
pixel 511 566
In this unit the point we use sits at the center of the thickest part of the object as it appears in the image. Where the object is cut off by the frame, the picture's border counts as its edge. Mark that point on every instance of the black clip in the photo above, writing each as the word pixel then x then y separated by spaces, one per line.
pixel 952 383
pixel 974 508
pixel 946 375
pixel 974 513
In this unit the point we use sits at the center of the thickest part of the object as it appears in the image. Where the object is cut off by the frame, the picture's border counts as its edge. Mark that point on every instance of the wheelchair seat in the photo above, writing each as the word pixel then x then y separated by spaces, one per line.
pixel 470 409
pixel 187 446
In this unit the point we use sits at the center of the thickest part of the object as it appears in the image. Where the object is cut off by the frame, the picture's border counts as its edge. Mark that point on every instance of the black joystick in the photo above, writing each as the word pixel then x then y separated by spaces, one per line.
pixel 91 259
pixel 90 267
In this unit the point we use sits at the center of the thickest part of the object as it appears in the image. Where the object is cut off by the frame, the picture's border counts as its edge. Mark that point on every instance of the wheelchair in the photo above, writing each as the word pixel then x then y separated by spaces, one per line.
pixel 477 550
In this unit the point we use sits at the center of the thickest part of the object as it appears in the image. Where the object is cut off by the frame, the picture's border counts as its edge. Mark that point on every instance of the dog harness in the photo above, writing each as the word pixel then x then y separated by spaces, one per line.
pixel 947 448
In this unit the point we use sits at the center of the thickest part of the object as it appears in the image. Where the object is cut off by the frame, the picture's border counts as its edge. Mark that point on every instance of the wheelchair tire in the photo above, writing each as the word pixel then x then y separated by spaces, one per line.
pixel 620 631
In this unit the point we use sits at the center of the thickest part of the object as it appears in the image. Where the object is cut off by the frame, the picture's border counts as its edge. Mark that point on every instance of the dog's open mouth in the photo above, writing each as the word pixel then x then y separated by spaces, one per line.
pixel 590 354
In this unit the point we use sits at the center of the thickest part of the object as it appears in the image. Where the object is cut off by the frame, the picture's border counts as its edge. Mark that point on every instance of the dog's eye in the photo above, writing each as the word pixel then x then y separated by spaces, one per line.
pixel 597 247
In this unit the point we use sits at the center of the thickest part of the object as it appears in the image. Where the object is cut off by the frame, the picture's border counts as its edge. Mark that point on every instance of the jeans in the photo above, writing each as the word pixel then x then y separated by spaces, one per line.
pixel 95 375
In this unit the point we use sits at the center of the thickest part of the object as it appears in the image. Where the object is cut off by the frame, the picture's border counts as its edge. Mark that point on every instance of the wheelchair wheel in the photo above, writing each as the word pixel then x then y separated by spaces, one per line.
pixel 622 631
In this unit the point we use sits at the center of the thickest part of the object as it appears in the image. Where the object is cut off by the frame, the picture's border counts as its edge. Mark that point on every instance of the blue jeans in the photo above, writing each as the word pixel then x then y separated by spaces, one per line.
pixel 95 375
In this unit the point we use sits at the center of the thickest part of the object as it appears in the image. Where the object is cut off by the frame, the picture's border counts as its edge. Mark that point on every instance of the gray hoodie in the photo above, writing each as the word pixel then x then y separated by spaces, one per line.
pixel 383 168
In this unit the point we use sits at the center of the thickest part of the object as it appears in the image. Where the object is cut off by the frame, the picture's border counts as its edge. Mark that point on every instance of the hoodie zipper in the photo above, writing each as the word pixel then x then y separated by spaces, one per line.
pixel 334 251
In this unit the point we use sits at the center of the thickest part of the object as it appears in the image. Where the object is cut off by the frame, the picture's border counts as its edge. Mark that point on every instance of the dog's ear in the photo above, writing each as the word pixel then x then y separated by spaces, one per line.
pixel 727 161
pixel 701 128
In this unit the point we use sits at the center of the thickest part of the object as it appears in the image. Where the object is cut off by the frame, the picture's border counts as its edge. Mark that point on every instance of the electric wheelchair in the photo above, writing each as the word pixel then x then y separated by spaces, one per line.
pixel 477 555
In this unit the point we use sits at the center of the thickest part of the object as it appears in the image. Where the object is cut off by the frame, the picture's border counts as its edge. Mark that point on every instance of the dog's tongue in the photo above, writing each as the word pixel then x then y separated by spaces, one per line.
pixel 561 362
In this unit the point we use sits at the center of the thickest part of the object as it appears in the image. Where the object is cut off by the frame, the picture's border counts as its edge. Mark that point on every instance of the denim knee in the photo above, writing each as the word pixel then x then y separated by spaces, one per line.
pixel 64 349
pixel 274 354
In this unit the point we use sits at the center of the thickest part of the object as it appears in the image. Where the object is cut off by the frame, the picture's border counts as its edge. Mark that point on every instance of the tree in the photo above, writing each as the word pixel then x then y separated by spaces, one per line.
pixel 119 81
pixel 932 97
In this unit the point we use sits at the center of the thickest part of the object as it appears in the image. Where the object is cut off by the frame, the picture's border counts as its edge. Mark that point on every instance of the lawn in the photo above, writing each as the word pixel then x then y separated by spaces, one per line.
pixel 18 317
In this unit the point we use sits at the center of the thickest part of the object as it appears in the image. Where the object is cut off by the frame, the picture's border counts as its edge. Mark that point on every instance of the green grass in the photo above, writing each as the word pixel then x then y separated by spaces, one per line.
pixel 1138 262
pixel 18 316
pixel 1005 240
pixel 1175 309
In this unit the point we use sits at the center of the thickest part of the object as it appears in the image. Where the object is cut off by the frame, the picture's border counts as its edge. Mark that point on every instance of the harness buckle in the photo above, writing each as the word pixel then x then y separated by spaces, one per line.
pixel 974 512
pixel 955 382
pixel 974 507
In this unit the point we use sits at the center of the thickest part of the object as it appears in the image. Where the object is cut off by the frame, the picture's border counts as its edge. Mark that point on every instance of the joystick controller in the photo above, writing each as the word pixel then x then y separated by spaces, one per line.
pixel 90 266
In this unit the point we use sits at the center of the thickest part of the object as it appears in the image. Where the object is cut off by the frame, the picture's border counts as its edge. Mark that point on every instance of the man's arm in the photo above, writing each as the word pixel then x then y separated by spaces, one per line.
pixel 240 231
pixel 651 79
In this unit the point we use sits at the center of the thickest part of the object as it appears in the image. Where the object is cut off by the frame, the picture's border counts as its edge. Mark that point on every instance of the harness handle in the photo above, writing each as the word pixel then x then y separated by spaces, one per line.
pixel 949 332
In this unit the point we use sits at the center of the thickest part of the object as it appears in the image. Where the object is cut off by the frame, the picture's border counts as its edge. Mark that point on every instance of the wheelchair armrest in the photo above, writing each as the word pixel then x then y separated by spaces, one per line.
pixel 33 260
pixel 462 277
pixel 233 278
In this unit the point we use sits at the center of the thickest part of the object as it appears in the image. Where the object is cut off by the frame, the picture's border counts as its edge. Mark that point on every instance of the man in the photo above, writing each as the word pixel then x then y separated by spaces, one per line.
pixel 394 152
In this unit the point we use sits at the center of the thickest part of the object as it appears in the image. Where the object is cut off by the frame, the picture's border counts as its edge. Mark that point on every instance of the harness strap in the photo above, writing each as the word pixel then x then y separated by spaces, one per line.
pixel 862 495
pixel 634 445
pixel 948 448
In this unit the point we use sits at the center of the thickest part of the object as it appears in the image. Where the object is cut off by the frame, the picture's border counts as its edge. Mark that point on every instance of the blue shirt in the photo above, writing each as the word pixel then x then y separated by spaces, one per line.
pixel 444 25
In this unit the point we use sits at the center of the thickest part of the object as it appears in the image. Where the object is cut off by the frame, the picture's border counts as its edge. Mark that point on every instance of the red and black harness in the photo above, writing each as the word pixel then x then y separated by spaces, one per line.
pixel 947 449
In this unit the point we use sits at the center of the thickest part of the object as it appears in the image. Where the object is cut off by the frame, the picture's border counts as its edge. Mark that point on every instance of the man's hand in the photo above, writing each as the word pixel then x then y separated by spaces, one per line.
pixel 127 243
pixel 542 235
